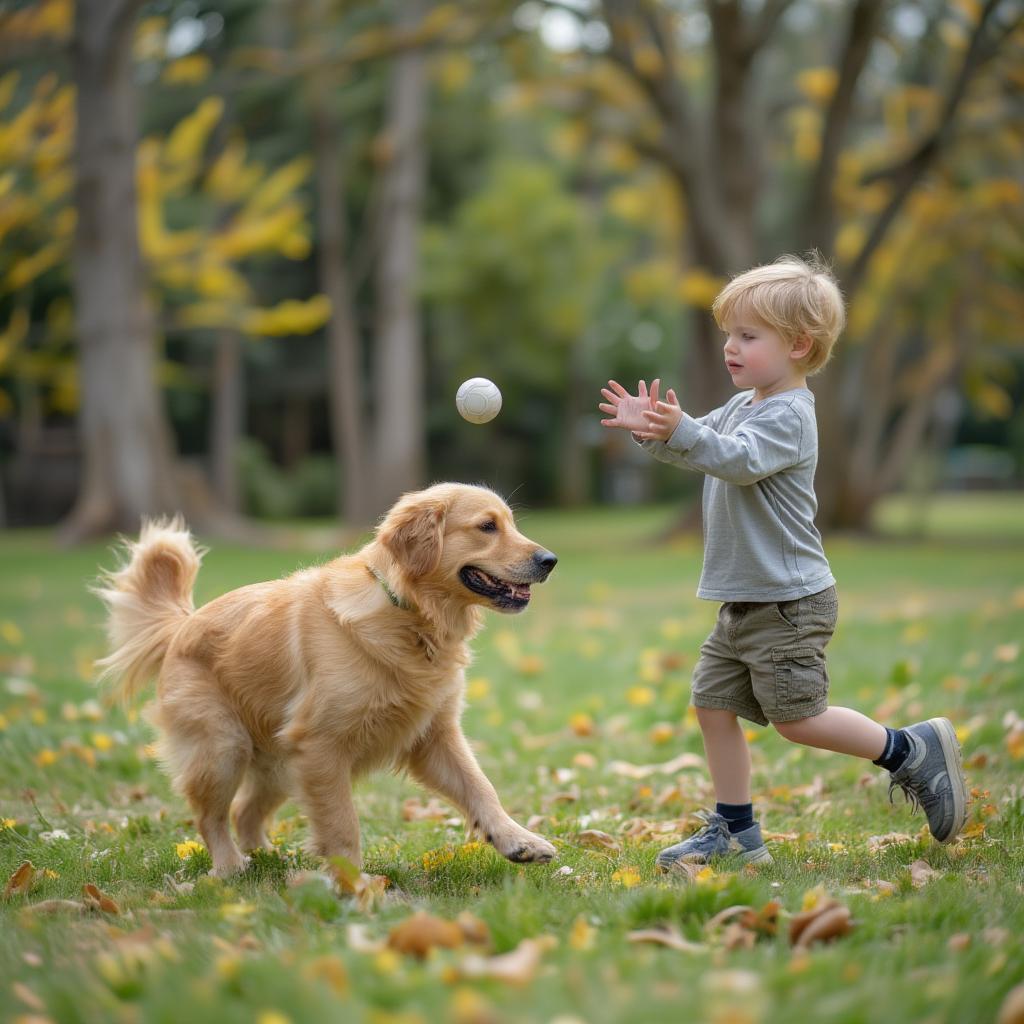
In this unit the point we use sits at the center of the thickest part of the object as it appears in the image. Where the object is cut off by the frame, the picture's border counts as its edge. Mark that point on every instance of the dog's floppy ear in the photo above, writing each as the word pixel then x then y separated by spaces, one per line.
pixel 413 533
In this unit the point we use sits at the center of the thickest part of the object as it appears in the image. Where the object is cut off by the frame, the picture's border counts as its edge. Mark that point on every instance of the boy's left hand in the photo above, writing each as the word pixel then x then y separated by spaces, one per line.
pixel 662 420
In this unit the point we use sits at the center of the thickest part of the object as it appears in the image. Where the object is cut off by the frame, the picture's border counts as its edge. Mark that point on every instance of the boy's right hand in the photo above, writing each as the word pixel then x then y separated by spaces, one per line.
pixel 626 410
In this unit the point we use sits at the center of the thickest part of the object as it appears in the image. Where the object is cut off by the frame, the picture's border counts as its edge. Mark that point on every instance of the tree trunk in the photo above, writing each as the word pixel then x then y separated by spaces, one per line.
pixel 399 364
pixel 126 440
pixel 344 391
pixel 226 421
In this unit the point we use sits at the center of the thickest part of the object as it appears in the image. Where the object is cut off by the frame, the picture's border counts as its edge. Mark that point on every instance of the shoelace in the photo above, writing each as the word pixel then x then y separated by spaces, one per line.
pixel 711 826
pixel 925 800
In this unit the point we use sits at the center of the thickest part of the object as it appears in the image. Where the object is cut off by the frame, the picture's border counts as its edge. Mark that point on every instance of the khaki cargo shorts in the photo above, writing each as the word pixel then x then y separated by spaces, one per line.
pixel 765 661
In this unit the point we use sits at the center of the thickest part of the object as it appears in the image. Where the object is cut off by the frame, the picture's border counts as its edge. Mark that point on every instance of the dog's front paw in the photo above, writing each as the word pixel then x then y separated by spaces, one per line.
pixel 230 866
pixel 524 847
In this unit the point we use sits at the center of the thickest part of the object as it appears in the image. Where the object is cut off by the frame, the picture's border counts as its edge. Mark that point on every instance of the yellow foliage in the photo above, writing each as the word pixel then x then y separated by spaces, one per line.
pixel 17 136
pixel 648 61
pixel 296 245
pixel 189 136
pixel 28 269
pixel 630 203
pixel 650 281
pixel 229 178
pixel 257 234
pixel 190 70
pixel 8 84
pixel 806 125
pixel 453 72
pixel 219 281
pixel 698 288
pixel 569 138
pixel 208 315
pixel 618 156
pixel 13 334
pixel 280 185
pixel 289 317
pixel 850 240
pixel 149 39
pixel 57 185
pixel 817 84
pixel 53 18
pixel 998 192
pixel 992 400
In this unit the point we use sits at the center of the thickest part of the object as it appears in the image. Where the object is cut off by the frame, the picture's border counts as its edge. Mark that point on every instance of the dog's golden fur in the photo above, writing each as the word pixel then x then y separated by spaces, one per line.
pixel 302 684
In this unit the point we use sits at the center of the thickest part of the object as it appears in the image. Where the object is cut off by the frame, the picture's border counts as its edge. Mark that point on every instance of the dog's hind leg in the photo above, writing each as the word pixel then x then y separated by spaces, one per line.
pixel 324 781
pixel 262 792
pixel 207 750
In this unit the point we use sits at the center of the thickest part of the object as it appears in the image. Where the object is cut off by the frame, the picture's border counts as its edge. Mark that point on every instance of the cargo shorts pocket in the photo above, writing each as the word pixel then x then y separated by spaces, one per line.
pixel 801 680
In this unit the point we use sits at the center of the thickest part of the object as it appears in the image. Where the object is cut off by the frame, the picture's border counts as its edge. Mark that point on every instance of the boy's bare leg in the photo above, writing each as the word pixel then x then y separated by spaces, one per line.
pixel 728 755
pixel 840 729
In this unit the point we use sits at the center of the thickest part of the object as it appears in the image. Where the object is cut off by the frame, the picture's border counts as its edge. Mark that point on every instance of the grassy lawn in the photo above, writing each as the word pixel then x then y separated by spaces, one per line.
pixel 578 710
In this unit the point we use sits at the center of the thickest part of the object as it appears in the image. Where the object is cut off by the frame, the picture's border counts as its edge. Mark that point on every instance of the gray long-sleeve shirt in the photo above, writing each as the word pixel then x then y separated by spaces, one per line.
pixel 760 541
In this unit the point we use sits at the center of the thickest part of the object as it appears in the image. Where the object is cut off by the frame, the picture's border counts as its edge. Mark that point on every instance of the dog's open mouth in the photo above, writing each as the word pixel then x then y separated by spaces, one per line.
pixel 502 593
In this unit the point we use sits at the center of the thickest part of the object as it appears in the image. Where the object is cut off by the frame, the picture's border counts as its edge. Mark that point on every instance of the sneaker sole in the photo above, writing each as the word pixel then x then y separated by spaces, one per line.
pixel 954 768
pixel 758 856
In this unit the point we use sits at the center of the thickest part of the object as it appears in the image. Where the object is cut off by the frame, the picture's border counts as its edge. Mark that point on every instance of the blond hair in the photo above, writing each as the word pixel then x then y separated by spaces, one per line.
pixel 792 296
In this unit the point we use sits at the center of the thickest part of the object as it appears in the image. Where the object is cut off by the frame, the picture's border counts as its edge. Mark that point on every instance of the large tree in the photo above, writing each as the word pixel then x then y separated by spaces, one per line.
pixel 128 451
pixel 710 112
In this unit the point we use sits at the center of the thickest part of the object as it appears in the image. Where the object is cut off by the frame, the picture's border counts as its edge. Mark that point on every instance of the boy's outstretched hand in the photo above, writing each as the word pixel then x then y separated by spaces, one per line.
pixel 627 410
pixel 662 419
pixel 649 419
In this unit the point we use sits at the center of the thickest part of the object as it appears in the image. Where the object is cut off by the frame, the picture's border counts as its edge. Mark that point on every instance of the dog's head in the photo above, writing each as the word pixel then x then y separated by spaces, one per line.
pixel 464 539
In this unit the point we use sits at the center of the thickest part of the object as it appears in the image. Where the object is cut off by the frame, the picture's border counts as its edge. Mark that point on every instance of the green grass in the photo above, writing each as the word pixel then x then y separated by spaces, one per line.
pixel 580 681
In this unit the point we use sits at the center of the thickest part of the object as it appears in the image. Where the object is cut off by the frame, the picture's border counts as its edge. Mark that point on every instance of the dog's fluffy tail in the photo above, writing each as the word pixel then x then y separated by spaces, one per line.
pixel 147 598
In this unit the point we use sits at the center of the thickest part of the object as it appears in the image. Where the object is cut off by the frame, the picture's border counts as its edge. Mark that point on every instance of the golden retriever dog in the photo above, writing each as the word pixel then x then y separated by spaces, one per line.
pixel 301 685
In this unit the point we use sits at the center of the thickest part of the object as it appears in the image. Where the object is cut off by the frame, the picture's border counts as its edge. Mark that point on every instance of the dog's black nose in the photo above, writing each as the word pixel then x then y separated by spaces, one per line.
pixel 547 560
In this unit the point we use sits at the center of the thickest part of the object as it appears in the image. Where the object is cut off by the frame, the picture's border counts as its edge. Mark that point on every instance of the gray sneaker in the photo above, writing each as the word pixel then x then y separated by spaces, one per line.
pixel 715 840
pixel 932 777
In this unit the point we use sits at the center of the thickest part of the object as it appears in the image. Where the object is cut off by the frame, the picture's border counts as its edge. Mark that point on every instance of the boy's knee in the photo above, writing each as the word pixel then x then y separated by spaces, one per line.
pixel 793 730
pixel 715 717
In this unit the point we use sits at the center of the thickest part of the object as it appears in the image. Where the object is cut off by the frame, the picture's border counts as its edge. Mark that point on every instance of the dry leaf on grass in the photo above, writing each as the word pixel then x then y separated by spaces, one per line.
pixel 28 997
pixel 921 873
pixel 96 900
pixel 598 840
pixel 21 880
pixel 826 920
pixel 419 934
pixel 641 771
pixel 669 937
pixel 414 809
pixel 350 881
pixel 876 843
pixel 1012 1010
pixel 360 941
pixel 519 967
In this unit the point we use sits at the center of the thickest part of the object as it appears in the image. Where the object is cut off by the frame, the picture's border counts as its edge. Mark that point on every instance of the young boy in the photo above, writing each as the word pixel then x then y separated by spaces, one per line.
pixel 765 659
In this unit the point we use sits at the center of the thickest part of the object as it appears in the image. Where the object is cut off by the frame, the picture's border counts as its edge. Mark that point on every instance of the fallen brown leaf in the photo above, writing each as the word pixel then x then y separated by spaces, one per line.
pixel 473 929
pixel 519 967
pixel 414 809
pixel 21 880
pixel 827 920
pixel 921 873
pixel 27 996
pixel 97 900
pixel 668 936
pixel 360 941
pixel 1012 1010
pixel 876 843
pixel 597 839
pixel 419 934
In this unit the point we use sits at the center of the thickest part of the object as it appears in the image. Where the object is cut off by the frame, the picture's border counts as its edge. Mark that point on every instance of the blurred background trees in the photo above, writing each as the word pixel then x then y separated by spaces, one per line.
pixel 249 249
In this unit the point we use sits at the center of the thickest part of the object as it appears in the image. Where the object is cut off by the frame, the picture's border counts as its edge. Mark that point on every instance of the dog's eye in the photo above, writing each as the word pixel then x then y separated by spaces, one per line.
pixel 489 527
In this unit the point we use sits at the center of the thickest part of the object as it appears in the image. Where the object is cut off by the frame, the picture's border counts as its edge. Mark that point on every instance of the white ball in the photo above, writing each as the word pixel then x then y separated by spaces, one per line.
pixel 478 400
